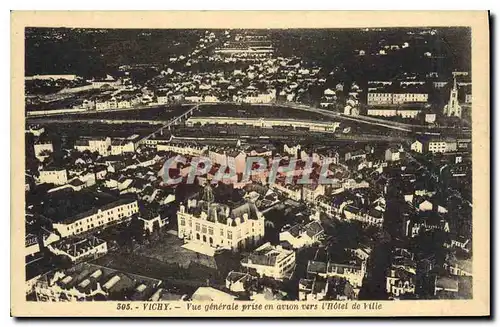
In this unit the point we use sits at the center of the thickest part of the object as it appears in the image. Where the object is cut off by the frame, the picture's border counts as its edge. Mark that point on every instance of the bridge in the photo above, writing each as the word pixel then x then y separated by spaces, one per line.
pixel 170 123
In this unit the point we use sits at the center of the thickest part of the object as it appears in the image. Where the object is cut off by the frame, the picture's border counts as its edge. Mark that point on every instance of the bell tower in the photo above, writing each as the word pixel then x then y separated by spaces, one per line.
pixel 453 108
pixel 208 194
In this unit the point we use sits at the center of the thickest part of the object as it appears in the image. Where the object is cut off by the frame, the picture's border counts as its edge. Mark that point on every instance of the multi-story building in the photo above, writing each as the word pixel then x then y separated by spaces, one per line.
pixel 303 235
pixel 94 144
pixel 417 146
pixel 353 273
pixel 375 98
pixel 400 282
pixel 362 253
pixel 79 249
pixel 33 242
pixel 152 220
pixel 414 228
pixel 392 154
pixel 219 225
pixel 162 98
pixel 311 191
pixel 119 147
pixel 439 84
pixel 326 206
pixel 430 118
pixel 57 176
pixel 236 161
pixel 111 213
pixel 181 148
pixel 292 150
pixel 442 145
pixel 399 98
pixel 42 149
pixel 292 191
pixel 409 112
pixel 372 217
pixel 218 156
pixel 106 104
pixel 386 98
pixel 271 261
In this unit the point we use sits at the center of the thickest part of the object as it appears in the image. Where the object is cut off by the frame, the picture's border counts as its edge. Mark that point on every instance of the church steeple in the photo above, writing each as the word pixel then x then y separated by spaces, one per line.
pixel 453 108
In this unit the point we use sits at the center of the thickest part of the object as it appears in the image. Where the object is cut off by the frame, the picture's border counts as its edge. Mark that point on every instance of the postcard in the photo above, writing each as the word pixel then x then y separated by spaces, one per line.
pixel 250 164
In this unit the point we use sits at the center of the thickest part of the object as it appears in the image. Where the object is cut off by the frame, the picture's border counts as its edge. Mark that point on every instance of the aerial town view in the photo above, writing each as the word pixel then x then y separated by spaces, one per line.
pixel 251 165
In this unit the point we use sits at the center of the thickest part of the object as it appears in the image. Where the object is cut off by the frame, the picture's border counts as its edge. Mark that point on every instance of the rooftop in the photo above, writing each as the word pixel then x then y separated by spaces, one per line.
pixel 316 267
pixel 267 255
pixel 221 212
pixel 85 277
pixel 68 206
pixel 77 246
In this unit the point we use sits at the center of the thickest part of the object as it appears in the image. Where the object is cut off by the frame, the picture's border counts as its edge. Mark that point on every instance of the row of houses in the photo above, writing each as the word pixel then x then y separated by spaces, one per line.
pixel 439 145
pixel 107 146
pixel 383 98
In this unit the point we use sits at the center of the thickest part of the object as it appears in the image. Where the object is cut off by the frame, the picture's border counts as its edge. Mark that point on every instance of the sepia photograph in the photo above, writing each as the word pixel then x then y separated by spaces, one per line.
pixel 221 169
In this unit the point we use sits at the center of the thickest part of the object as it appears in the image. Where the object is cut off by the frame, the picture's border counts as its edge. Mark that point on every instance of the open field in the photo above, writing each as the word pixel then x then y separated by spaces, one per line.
pixel 165 259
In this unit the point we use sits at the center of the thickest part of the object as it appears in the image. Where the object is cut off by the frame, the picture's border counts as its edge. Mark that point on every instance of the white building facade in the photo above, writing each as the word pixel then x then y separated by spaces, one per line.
pixel 53 176
pixel 110 214
pixel 218 226
pixel 271 261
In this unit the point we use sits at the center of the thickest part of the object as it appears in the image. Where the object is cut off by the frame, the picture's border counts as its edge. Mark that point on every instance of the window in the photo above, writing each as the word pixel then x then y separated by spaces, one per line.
pixel 183 222
pixel 197 227
pixel 210 230
pixel 230 235
pixel 203 229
